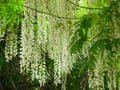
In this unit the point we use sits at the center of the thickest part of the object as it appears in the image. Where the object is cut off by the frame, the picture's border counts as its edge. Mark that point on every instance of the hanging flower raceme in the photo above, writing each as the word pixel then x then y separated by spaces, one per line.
pixel 11 46
pixel 33 43
pixel 96 79
pixel 51 35
pixel 2 25
pixel 27 38
pixel 41 39
pixel 59 38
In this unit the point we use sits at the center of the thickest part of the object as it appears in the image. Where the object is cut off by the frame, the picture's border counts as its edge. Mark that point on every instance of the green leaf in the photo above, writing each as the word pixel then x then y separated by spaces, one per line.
pixel 100 44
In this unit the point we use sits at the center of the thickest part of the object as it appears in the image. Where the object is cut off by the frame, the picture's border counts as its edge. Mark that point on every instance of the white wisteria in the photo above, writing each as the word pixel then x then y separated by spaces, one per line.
pixel 96 79
pixel 11 46
pixel 59 39
pixel 51 36
pixel 33 43
pixel 2 25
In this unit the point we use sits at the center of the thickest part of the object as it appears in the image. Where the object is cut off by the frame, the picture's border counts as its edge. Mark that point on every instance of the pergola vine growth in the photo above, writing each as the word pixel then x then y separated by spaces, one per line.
pixel 65 31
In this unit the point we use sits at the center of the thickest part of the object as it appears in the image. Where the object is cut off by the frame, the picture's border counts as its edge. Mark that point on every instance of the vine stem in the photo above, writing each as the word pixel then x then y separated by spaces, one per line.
pixel 61 17
pixel 83 6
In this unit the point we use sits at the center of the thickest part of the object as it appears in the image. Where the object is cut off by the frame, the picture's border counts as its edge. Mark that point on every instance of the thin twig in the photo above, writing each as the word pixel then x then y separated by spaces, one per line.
pixel 13 84
pixel 83 6
pixel 61 17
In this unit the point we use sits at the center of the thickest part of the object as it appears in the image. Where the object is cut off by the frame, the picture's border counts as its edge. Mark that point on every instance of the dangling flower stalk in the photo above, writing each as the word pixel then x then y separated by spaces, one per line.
pixel 59 38
pixel 11 46
pixel 27 37
pixel 2 30
pixel 41 40
pixel 34 42
pixel 53 35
